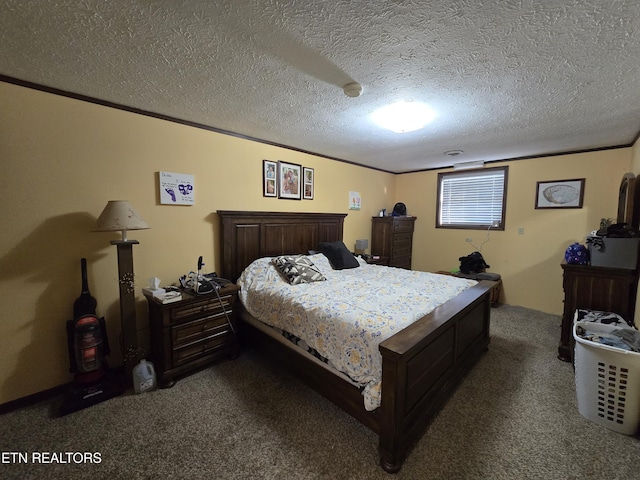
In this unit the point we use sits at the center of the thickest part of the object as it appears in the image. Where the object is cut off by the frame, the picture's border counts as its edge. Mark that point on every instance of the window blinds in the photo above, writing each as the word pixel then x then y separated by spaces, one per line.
pixel 471 198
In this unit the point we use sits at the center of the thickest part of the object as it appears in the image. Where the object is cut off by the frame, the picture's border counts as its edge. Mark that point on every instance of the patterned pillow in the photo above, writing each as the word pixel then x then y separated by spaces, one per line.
pixel 298 269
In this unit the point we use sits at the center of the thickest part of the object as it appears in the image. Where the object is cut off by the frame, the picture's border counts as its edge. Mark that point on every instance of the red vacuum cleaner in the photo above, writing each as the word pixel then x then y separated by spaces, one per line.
pixel 88 346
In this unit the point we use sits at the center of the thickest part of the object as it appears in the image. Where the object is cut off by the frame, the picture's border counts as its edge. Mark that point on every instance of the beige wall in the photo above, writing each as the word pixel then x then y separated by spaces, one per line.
pixel 530 263
pixel 63 159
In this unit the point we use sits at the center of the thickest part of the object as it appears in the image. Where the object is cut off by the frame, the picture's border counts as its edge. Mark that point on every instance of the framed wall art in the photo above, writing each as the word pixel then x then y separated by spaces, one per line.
pixel 289 180
pixel 560 193
pixel 176 188
pixel 308 186
pixel 269 178
pixel 355 202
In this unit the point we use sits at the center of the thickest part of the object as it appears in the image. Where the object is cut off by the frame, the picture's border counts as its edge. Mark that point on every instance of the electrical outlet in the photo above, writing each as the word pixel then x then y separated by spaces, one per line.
pixel 520 230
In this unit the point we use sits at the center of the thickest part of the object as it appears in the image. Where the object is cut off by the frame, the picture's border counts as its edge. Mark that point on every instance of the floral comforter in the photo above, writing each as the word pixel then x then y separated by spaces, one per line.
pixel 345 317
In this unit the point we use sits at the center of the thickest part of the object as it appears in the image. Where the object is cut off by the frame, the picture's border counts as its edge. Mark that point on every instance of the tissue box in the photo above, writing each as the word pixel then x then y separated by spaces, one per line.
pixel 153 292
pixel 616 253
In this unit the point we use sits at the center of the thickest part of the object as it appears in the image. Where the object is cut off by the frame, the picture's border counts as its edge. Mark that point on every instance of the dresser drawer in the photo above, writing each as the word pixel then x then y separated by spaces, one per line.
pixel 195 330
pixel 211 305
pixel 192 351
pixel 402 262
pixel 403 226
pixel 402 250
pixel 402 239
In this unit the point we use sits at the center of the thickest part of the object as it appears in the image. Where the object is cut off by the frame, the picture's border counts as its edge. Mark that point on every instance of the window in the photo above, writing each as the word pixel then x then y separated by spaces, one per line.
pixel 473 199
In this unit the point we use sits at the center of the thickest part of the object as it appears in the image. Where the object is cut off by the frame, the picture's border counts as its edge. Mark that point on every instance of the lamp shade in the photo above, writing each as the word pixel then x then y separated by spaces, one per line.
pixel 362 244
pixel 119 215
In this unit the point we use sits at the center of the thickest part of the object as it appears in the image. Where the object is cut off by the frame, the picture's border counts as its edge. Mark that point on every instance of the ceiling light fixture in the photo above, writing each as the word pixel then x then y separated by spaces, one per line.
pixel 403 117
pixel 353 89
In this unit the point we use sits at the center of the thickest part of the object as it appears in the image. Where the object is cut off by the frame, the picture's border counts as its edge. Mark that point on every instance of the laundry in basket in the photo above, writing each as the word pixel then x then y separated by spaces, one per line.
pixel 610 318
pixel 624 338
pixel 607 377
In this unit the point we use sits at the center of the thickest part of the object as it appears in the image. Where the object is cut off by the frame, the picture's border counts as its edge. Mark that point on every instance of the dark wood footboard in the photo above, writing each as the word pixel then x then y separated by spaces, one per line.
pixel 423 364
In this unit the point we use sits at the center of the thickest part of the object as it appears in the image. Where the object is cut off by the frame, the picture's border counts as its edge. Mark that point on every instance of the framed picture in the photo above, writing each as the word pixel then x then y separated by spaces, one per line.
pixel 176 188
pixel 269 178
pixel 289 180
pixel 560 194
pixel 355 201
pixel 307 184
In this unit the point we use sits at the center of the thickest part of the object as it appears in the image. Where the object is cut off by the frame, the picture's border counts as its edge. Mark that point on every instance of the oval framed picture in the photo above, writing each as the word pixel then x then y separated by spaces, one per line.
pixel 560 193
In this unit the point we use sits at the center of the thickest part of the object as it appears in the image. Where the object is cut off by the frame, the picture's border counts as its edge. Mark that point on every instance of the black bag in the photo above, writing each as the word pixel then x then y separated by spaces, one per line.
pixel 473 263
pixel 399 210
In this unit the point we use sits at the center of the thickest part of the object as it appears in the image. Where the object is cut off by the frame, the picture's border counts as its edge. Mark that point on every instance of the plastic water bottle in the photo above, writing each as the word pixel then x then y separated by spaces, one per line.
pixel 144 377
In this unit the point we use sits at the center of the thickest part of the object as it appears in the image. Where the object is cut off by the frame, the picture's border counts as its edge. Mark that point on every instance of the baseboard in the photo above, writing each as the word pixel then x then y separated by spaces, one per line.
pixel 42 396
pixel 33 398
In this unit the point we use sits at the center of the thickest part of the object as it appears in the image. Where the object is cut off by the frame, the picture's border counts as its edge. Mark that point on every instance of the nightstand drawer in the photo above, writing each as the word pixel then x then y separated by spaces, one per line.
pixel 195 330
pixel 198 309
pixel 192 351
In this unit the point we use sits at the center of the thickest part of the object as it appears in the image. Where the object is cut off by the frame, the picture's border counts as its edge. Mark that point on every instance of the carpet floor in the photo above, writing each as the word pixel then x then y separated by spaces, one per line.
pixel 514 417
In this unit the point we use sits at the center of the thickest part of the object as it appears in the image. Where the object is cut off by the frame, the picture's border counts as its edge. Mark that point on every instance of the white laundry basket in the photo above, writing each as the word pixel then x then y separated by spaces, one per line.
pixel 607 382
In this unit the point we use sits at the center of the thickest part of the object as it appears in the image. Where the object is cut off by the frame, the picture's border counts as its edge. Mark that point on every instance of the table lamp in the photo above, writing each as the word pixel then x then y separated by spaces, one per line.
pixel 361 246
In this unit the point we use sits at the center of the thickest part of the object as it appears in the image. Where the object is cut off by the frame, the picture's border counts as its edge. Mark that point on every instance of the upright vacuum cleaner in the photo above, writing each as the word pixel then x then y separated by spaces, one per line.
pixel 88 346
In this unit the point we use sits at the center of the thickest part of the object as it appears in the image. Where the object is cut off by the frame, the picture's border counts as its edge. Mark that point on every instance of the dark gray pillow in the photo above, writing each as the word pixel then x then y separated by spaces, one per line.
pixel 298 269
pixel 339 255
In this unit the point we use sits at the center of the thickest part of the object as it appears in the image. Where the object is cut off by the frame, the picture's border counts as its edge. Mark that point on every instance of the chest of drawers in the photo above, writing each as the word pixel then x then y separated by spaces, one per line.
pixel 192 332
pixel 392 238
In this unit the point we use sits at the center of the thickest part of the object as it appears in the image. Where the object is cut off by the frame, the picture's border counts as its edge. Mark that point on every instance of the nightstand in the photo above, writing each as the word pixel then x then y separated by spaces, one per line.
pixel 192 332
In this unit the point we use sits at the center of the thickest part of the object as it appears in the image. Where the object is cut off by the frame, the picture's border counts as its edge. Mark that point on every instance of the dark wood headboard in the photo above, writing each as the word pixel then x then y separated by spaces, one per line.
pixel 246 236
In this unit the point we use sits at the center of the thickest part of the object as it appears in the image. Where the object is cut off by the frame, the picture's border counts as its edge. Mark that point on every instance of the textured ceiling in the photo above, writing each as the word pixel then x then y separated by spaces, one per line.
pixel 507 78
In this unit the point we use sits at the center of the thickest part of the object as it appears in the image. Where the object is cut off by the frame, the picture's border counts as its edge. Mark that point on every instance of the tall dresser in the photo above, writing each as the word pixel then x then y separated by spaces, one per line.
pixel 392 239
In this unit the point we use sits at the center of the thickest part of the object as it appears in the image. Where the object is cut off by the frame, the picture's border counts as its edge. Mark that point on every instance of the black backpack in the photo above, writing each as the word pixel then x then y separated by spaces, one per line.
pixel 473 263
pixel 399 210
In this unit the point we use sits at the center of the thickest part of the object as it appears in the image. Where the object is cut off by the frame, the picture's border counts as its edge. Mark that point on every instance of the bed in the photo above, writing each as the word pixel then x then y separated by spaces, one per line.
pixel 421 364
